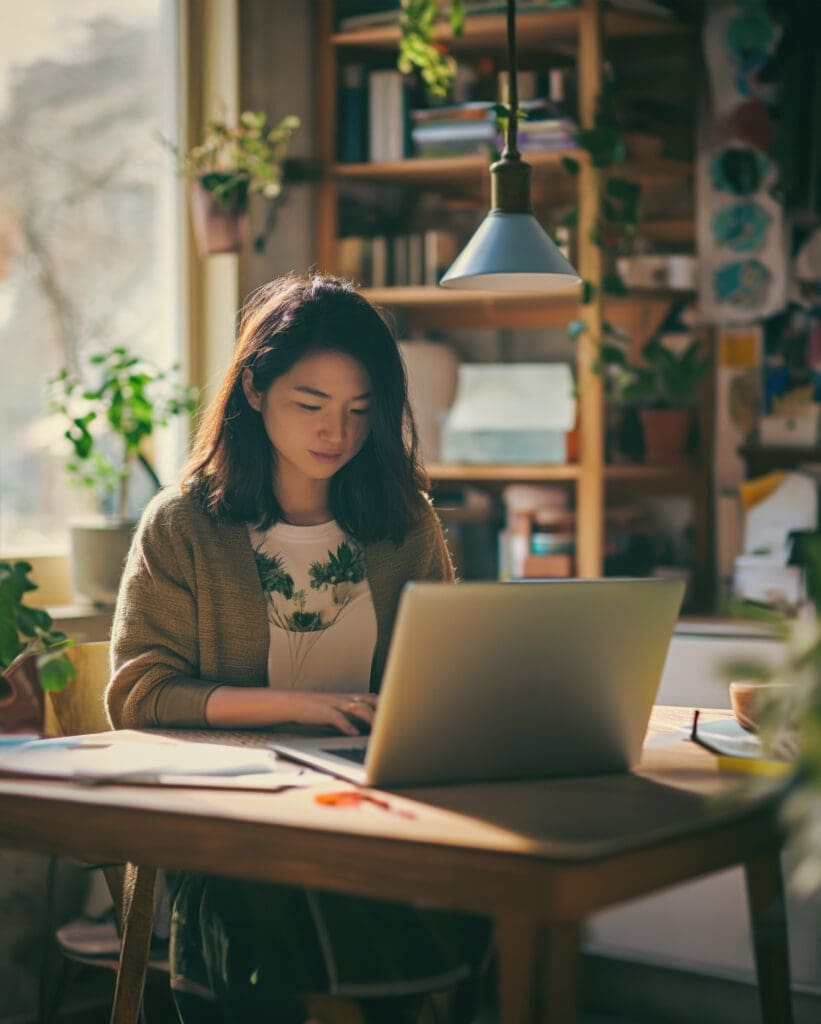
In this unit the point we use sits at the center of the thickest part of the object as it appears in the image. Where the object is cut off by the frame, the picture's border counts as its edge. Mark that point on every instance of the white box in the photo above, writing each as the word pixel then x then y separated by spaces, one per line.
pixel 800 430
pixel 510 412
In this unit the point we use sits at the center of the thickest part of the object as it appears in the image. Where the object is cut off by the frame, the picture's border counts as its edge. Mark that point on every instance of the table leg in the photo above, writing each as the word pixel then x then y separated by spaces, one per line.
pixel 538 971
pixel 138 920
pixel 768 916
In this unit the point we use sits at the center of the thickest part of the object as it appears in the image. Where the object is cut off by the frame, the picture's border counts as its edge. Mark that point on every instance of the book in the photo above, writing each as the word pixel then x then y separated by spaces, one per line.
pixel 351 258
pixel 388 107
pixel 439 250
pixel 352 140
pixel 379 261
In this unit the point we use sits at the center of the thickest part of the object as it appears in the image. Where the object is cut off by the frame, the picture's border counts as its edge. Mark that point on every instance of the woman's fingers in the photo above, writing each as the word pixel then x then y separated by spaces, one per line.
pixel 347 709
pixel 361 711
pixel 339 720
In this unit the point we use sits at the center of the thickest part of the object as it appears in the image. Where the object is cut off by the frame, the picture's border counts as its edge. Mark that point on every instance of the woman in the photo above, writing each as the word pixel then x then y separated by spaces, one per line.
pixel 264 592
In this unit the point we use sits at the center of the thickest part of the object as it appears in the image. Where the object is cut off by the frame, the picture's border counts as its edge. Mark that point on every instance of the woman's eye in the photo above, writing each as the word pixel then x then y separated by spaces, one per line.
pixel 360 412
pixel 308 408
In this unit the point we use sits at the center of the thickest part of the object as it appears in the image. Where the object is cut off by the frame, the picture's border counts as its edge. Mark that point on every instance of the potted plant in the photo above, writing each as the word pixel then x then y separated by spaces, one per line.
pixel 664 384
pixel 111 413
pixel 232 162
pixel 32 653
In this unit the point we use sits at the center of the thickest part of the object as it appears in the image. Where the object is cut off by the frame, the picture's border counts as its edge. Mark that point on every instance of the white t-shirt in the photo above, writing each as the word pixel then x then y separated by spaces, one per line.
pixel 321 619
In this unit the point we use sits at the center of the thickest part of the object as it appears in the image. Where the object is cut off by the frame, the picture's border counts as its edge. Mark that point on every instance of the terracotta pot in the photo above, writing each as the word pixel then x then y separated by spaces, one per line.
pixel 21 696
pixel 665 435
pixel 217 228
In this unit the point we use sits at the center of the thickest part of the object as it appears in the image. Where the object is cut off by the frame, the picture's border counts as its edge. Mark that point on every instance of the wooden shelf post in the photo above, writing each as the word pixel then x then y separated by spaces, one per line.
pixel 590 493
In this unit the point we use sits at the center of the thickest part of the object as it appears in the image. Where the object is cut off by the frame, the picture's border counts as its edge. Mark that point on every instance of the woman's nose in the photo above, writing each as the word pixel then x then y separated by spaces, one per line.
pixel 333 426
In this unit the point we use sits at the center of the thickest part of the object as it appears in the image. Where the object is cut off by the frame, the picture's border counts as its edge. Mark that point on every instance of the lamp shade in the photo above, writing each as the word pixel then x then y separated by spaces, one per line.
pixel 510 252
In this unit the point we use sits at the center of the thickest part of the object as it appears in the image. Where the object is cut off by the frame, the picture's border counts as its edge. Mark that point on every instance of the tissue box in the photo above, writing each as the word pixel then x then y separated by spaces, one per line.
pixel 795 431
pixel 510 412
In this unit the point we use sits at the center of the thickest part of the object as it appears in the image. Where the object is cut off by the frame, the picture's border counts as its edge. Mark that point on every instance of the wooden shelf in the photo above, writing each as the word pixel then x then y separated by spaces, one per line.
pixel 454 170
pixel 683 478
pixel 458 472
pixel 680 478
pixel 433 308
pixel 535 31
pixel 669 232
pixel 426 170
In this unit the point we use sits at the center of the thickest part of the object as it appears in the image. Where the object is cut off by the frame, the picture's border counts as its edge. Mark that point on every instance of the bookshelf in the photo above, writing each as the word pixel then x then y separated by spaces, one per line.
pixel 576 35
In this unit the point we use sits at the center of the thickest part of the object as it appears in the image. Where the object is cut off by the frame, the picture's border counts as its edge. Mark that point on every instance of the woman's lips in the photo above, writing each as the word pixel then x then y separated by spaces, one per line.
pixel 327 456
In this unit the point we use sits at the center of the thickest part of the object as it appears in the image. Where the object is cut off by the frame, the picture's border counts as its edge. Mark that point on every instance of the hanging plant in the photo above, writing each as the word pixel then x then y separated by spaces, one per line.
pixel 418 49
pixel 232 162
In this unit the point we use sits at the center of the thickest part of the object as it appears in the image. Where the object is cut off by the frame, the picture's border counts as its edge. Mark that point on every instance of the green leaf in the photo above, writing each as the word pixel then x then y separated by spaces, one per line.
pixel 621 188
pixel 613 355
pixel 751 670
pixel 612 284
pixel 55 673
pixel 570 165
pixel 588 292
pixel 10 645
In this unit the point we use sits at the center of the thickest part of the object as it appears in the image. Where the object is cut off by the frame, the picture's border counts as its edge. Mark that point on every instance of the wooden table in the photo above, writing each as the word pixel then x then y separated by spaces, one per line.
pixel 536 856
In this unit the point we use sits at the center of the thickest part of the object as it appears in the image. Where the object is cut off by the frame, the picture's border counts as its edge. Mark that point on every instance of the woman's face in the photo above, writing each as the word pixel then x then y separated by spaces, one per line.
pixel 317 415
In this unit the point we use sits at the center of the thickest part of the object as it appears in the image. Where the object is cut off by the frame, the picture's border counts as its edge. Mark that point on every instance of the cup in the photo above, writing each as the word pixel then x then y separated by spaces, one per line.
pixel 749 699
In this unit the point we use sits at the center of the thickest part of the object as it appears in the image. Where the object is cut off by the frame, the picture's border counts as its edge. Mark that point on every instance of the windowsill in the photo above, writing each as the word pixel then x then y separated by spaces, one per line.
pixel 83 623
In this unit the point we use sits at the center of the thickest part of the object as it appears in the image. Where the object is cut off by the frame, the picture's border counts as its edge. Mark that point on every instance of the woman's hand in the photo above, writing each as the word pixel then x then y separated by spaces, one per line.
pixel 231 707
pixel 350 713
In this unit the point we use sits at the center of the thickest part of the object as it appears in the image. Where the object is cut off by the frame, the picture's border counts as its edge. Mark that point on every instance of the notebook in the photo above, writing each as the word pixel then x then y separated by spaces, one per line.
pixel 495 681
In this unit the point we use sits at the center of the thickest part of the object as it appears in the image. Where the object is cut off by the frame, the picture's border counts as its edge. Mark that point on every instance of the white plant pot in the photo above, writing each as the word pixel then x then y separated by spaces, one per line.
pixel 98 553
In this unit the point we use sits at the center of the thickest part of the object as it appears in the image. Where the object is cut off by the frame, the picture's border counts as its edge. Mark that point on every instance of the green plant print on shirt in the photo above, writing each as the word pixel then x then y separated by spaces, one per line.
pixel 302 625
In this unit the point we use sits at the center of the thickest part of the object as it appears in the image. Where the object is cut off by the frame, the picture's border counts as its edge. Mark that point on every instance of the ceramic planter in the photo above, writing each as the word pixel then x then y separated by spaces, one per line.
pixel 666 432
pixel 217 227
pixel 98 553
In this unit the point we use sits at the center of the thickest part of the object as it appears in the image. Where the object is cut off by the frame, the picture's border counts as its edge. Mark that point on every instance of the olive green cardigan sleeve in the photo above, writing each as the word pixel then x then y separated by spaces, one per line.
pixel 190 616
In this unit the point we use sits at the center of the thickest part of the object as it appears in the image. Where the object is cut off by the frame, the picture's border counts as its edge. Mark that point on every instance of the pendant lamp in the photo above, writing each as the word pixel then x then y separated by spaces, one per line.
pixel 510 251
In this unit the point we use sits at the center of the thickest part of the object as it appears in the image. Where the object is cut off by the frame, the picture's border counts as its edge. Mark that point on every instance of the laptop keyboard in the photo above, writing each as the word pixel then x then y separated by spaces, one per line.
pixel 356 754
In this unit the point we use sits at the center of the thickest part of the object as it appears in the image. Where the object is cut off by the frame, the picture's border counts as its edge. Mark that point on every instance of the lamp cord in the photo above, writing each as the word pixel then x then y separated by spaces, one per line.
pixel 510 150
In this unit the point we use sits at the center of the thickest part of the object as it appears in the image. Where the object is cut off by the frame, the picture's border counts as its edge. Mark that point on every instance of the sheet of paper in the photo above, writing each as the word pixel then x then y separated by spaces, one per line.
pixel 134 755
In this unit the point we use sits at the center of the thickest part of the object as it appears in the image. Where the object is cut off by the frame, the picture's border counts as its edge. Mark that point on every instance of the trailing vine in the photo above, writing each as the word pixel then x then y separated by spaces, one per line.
pixel 613 232
pixel 417 48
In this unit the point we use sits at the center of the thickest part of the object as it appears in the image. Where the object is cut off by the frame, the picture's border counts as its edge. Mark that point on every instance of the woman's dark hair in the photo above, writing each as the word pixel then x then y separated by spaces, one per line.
pixel 378 494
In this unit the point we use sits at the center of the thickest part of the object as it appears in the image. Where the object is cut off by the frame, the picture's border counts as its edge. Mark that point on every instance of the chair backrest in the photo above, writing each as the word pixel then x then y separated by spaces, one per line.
pixel 80 707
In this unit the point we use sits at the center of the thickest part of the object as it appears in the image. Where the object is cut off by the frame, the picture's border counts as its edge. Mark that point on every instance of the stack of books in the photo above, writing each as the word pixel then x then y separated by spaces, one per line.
pixel 543 127
pixel 473 128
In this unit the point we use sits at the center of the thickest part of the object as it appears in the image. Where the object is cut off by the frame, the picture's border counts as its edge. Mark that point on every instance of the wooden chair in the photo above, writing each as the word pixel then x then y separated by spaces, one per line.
pixel 80 709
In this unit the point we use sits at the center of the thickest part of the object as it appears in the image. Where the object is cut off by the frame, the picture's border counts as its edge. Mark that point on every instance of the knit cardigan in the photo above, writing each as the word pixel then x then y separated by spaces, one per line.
pixel 191 613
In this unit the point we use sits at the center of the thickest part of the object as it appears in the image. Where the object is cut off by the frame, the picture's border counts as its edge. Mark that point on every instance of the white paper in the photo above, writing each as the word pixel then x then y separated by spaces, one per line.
pixel 135 756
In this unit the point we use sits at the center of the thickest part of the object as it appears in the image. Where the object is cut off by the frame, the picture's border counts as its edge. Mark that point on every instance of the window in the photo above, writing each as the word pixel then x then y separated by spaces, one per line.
pixel 89 227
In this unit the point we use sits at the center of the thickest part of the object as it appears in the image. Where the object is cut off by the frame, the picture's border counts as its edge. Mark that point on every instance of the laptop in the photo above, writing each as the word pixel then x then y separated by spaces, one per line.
pixel 496 681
